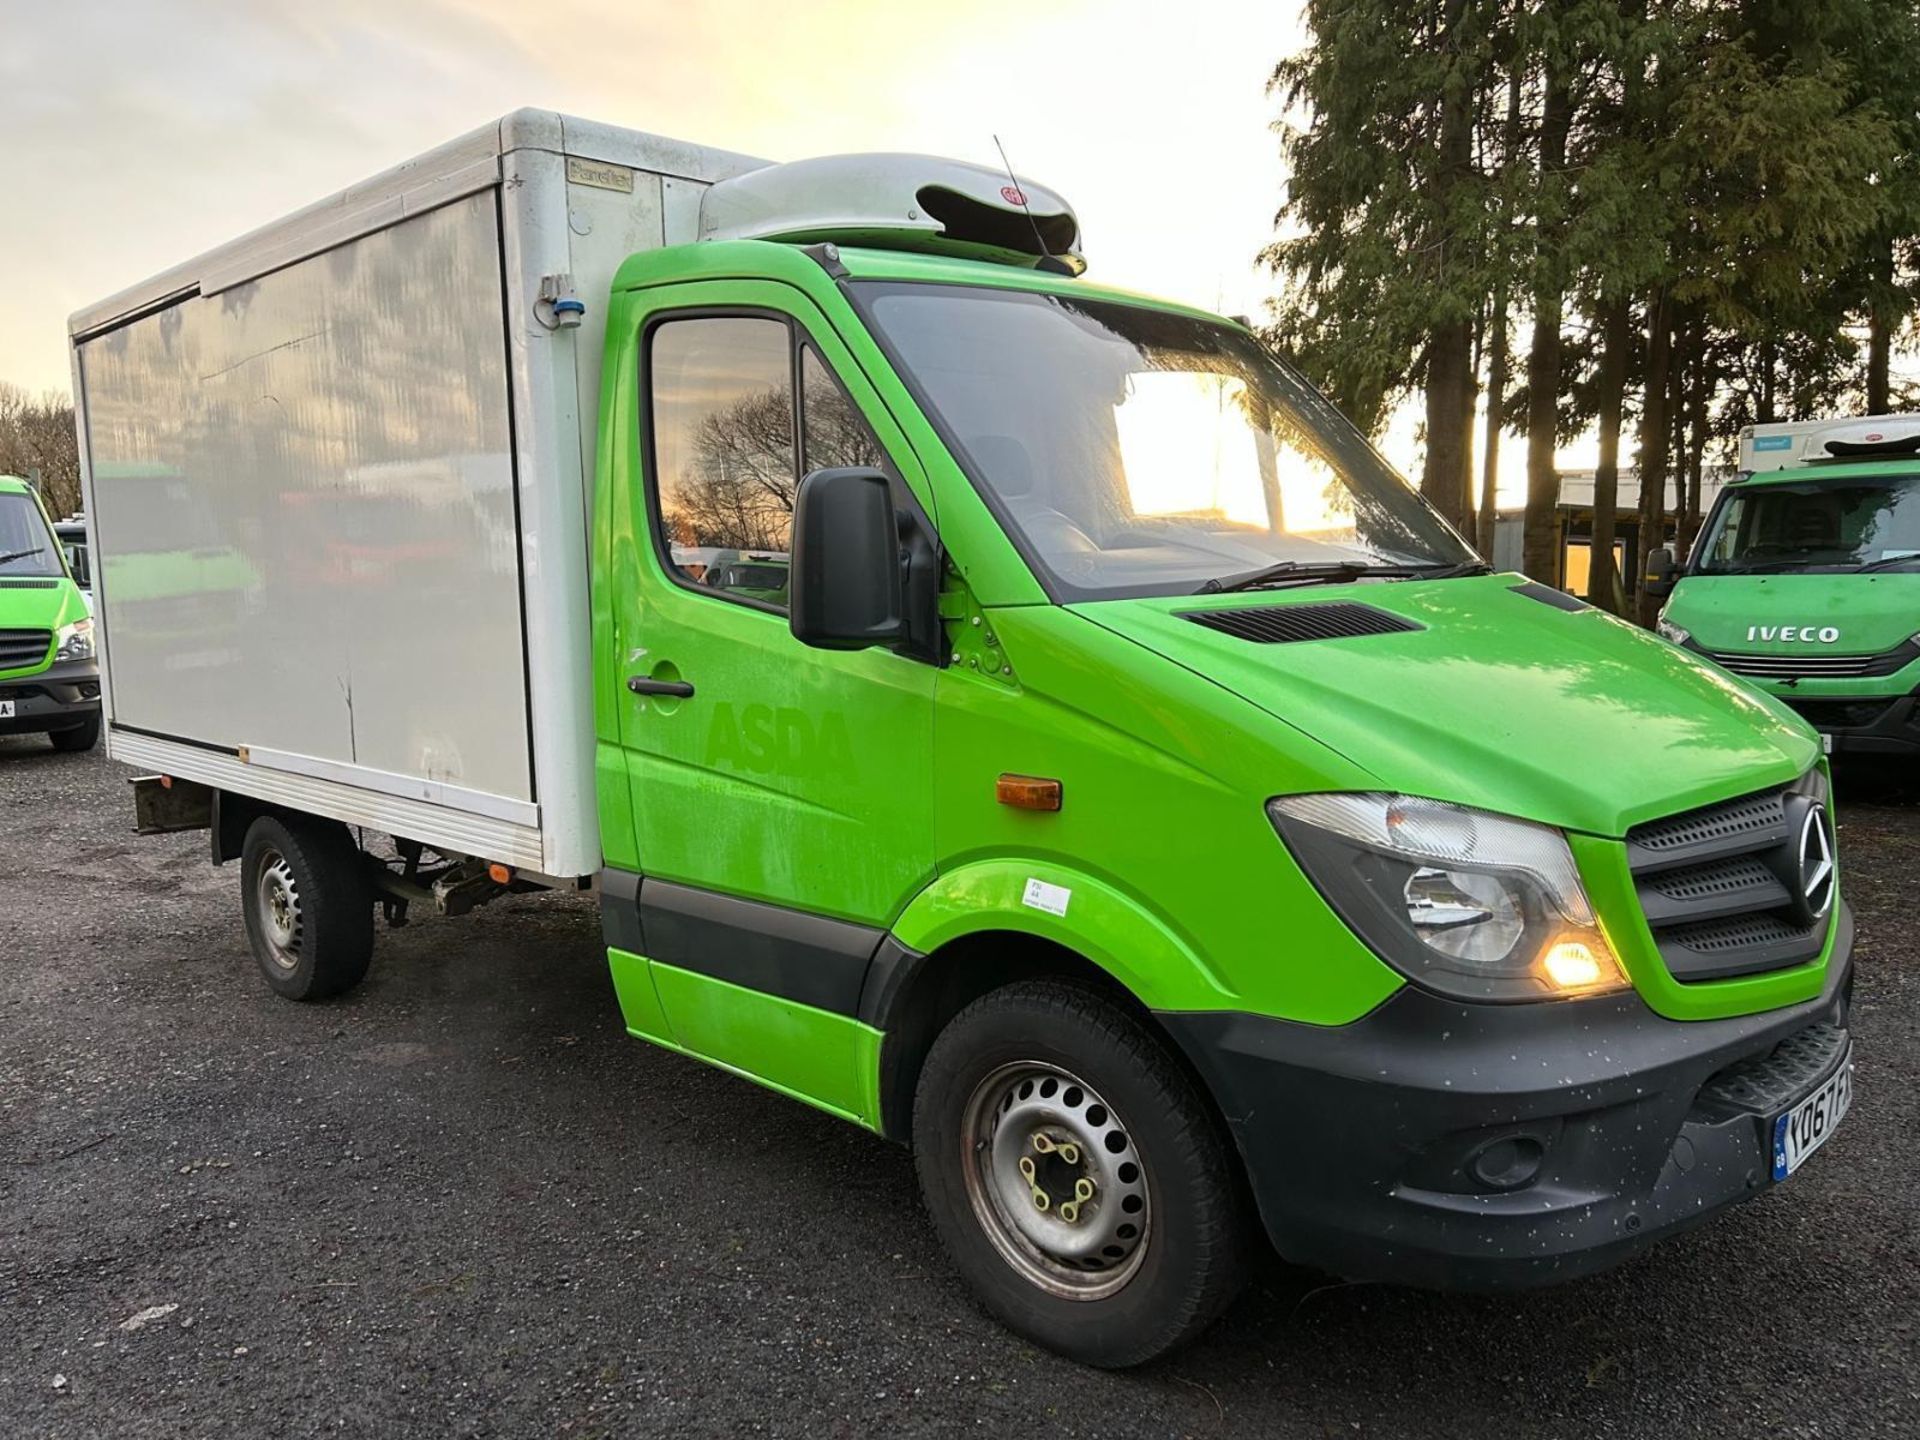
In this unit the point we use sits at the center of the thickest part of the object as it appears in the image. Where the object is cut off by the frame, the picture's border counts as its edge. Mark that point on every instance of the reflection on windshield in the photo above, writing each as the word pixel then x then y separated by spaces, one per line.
pixel 1139 452
pixel 1836 526
pixel 26 547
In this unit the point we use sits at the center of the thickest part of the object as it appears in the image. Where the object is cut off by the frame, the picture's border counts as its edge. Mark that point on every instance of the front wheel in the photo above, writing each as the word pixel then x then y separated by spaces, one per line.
pixel 1076 1175
pixel 83 736
pixel 308 905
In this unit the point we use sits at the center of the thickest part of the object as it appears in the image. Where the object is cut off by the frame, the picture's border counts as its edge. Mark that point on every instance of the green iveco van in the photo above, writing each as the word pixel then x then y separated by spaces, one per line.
pixel 1805 579
pixel 49 683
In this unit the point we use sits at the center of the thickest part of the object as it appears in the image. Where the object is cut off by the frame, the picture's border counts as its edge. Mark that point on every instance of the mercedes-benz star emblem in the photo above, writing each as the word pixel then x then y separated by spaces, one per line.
pixel 1816 862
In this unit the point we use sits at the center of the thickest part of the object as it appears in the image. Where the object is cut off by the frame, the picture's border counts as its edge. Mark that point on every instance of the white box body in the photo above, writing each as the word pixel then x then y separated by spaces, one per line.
pixel 338 475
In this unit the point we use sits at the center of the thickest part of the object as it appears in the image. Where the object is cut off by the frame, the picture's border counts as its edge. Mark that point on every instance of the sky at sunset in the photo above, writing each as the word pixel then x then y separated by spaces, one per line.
pixel 141 132
pixel 137 133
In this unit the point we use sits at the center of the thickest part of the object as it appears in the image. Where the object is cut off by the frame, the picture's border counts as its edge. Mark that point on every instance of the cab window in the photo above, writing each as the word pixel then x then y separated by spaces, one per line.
pixel 835 434
pixel 724 467
pixel 730 445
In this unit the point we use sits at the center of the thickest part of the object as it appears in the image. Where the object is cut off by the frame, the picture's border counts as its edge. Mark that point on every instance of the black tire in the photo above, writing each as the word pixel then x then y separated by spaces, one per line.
pixel 83 736
pixel 314 865
pixel 1188 1261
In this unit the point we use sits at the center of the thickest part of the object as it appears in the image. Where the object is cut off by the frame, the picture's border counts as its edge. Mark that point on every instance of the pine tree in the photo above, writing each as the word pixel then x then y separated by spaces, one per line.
pixel 1392 218
pixel 1699 209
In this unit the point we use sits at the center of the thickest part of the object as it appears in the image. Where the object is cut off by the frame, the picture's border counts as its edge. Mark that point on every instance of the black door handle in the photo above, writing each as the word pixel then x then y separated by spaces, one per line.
pixel 643 685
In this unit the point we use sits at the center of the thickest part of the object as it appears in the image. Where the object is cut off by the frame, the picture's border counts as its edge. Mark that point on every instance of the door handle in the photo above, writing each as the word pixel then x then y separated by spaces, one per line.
pixel 646 685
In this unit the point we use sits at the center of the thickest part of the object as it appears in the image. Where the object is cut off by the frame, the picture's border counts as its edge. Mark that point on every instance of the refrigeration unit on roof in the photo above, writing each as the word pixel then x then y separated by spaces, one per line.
pixel 1800 442
pixel 901 202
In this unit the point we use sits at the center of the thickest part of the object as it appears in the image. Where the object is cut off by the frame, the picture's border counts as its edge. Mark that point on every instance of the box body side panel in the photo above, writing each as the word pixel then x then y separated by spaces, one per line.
pixel 302 492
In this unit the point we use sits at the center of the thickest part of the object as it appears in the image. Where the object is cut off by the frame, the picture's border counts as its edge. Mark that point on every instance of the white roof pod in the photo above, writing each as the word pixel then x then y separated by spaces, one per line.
pixel 899 202
pixel 1799 442
pixel 1887 435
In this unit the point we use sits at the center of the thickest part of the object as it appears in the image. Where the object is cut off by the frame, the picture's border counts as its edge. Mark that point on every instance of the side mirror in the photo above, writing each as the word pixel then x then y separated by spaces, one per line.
pixel 848 587
pixel 1660 571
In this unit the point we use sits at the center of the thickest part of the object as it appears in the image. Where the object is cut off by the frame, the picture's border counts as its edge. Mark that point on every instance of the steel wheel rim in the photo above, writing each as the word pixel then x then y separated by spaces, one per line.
pixel 1055 1180
pixel 277 903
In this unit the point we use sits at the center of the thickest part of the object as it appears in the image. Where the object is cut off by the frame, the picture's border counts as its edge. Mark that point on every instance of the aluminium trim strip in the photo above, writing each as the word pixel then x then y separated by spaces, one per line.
pixel 406 787
pixel 166 300
pixel 440 826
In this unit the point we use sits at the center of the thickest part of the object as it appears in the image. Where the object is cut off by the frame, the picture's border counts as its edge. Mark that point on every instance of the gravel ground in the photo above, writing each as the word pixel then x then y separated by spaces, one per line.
pixel 462 1201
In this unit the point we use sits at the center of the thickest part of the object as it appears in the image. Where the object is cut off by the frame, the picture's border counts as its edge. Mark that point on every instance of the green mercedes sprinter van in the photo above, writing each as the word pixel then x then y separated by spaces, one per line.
pixel 1016 716
pixel 49 682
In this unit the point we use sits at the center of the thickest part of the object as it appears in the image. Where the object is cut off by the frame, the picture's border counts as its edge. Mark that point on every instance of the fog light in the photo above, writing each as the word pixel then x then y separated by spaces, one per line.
pixel 1507 1163
pixel 1572 965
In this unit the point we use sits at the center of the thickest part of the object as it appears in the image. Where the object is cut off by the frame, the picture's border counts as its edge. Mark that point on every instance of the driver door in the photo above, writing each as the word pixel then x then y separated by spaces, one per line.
pixel 781 795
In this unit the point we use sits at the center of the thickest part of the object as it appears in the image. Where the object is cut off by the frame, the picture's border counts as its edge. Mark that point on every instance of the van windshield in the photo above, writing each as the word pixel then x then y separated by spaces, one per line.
pixel 1135 452
pixel 1832 526
pixel 27 547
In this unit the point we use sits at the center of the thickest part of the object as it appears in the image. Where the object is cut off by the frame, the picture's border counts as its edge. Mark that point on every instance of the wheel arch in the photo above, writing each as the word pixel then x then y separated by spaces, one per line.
pixel 976 929
pixel 233 815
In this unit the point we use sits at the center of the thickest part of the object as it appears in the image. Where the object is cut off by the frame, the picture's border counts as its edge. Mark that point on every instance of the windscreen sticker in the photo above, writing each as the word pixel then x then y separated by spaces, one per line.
pixel 1050 898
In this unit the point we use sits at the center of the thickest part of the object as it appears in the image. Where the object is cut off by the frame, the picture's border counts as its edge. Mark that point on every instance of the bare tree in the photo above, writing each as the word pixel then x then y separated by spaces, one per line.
pixel 741 489
pixel 38 435
pixel 739 493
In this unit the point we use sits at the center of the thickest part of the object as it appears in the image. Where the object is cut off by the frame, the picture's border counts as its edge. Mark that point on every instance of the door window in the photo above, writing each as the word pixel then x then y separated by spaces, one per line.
pixel 725 467
pixel 723 448
pixel 834 433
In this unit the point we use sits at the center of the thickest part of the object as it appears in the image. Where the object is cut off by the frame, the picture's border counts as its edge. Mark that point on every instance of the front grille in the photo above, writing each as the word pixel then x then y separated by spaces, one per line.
pixel 1840 714
pixel 21 648
pixel 1722 888
pixel 1722 878
pixel 1753 815
pixel 1818 667
pixel 16 583
pixel 1285 624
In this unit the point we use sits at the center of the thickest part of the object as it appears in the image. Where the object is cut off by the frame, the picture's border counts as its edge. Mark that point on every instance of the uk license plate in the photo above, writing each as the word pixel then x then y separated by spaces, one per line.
pixel 1806 1127
pixel 6 709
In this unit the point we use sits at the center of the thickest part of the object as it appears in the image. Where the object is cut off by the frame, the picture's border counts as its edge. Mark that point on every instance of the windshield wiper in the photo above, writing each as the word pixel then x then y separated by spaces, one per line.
pixel 1333 571
pixel 1441 570
pixel 22 554
pixel 1887 562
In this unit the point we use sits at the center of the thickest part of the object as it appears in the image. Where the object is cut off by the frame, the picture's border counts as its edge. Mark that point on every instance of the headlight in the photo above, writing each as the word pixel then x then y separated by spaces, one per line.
pixel 75 641
pixel 1670 631
pixel 1474 905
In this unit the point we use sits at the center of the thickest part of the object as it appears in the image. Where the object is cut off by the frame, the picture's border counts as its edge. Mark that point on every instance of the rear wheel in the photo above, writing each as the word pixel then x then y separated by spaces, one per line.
pixel 83 736
pixel 1076 1175
pixel 308 906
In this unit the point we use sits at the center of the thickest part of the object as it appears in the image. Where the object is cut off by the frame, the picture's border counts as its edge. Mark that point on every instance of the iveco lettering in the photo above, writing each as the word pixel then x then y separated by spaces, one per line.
pixel 1019 717
pixel 1805 580
pixel 1805 634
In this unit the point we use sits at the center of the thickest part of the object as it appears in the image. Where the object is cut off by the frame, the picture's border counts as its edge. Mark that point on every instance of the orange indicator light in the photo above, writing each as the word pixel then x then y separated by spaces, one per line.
pixel 1572 965
pixel 1027 792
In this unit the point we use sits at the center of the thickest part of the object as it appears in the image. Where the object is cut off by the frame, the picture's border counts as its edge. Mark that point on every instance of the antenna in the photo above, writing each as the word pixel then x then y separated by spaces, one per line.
pixel 1013 180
